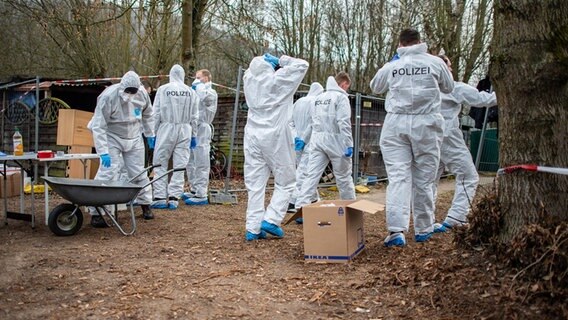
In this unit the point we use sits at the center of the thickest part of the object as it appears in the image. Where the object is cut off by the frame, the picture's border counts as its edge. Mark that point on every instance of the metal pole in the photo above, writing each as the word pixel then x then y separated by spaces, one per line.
pixel 357 137
pixel 482 137
pixel 36 133
pixel 16 84
pixel 36 147
pixel 3 115
pixel 234 129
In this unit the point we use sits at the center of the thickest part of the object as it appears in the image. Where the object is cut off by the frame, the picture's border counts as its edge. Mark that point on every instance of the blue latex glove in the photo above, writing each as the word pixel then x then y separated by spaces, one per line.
pixel 299 144
pixel 105 160
pixel 151 142
pixel 193 143
pixel 349 152
pixel 272 60
pixel 195 84
pixel 395 57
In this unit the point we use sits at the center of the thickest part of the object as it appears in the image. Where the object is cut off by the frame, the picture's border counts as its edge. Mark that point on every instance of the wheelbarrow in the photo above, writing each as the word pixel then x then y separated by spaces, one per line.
pixel 66 219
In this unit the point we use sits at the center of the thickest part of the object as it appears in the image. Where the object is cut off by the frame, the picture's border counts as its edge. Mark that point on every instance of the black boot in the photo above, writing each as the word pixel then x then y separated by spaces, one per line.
pixel 291 208
pixel 97 221
pixel 147 212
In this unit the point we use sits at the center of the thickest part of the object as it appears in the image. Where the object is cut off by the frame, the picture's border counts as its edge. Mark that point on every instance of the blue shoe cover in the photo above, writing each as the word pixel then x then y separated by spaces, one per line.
pixel 272 229
pixel 187 195
pixel 395 240
pixel 172 204
pixel 300 220
pixel 442 227
pixel 196 201
pixel 423 237
pixel 249 236
pixel 159 204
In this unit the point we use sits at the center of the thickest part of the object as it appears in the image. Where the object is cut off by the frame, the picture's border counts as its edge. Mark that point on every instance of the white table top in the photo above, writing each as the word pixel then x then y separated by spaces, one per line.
pixel 26 156
pixel 33 157
pixel 67 156
pixel 71 156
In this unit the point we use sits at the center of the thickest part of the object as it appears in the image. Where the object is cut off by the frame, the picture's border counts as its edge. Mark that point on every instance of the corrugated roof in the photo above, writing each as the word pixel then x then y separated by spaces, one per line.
pixel 83 84
pixel 44 85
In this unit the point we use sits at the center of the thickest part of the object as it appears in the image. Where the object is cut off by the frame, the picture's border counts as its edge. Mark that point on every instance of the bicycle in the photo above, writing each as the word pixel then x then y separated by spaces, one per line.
pixel 17 112
pixel 218 163
pixel 217 159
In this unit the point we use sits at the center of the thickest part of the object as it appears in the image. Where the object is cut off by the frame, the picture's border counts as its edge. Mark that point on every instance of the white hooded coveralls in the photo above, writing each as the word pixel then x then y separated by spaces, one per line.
pixel 268 143
pixel 300 123
pixel 199 161
pixel 412 133
pixel 331 135
pixel 176 113
pixel 118 120
pixel 454 155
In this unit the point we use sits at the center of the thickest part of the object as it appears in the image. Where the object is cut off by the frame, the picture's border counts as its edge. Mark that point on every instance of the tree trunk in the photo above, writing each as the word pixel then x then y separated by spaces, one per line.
pixel 529 69
pixel 187 53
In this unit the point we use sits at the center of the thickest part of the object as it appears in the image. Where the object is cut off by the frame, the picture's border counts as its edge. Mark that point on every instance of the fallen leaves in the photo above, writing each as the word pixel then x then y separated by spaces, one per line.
pixel 194 263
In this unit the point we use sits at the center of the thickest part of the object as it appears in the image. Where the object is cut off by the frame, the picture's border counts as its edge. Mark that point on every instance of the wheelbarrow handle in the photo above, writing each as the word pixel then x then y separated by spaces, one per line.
pixel 144 171
pixel 163 175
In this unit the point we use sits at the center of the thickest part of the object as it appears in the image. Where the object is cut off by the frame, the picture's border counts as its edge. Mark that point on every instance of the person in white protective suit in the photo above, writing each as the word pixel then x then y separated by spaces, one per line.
pixel 299 124
pixel 269 86
pixel 123 111
pixel 411 135
pixel 331 140
pixel 199 161
pixel 175 112
pixel 454 154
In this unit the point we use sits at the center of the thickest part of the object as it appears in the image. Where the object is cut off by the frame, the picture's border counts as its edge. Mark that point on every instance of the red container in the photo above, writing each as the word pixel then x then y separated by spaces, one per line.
pixel 45 154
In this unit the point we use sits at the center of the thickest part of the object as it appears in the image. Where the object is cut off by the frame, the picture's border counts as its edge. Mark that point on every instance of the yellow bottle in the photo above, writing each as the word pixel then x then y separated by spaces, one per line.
pixel 18 143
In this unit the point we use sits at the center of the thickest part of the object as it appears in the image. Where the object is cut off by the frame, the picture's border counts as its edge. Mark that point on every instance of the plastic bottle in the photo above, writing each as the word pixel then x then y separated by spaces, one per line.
pixel 18 143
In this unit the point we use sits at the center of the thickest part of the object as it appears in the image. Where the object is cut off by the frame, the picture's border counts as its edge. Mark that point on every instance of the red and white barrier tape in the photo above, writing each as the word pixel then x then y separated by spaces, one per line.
pixel 32 88
pixel 106 79
pixel 79 81
pixel 532 167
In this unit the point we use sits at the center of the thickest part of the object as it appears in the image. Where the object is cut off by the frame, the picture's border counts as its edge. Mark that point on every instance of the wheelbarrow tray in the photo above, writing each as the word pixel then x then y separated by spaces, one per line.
pixel 94 193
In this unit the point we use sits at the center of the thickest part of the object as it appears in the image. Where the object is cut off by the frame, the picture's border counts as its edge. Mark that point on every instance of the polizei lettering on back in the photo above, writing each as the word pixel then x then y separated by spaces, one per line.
pixel 178 93
pixel 411 71
pixel 323 102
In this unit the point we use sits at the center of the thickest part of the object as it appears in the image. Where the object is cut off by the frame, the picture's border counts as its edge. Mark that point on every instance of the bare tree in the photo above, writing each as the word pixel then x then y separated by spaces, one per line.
pixel 79 29
pixel 242 30
pixel 23 44
pixel 298 31
pixel 461 29
pixel 100 38
pixel 156 28
pixel 96 38
pixel 475 50
pixel 530 75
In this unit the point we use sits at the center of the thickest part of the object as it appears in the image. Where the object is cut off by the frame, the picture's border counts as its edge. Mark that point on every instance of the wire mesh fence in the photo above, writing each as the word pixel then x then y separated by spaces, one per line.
pixel 367 125
pixel 368 115
pixel 366 132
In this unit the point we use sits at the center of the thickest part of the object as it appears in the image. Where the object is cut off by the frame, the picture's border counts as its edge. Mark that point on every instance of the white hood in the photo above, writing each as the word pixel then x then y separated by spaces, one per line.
pixel 315 89
pixel 177 74
pixel 332 85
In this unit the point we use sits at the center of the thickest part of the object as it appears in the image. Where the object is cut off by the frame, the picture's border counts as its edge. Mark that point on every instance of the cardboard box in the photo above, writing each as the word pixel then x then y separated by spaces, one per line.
pixel 72 128
pixel 75 168
pixel 13 184
pixel 333 229
pixel 94 166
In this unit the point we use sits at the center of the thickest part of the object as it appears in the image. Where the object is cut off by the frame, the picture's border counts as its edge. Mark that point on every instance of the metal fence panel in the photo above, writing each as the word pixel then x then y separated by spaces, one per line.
pixel 372 118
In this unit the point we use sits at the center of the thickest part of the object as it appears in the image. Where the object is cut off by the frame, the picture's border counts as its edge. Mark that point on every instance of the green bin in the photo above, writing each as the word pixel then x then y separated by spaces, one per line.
pixel 490 154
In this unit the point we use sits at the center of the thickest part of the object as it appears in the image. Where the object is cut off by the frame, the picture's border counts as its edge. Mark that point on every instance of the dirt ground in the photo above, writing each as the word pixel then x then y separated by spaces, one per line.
pixel 193 263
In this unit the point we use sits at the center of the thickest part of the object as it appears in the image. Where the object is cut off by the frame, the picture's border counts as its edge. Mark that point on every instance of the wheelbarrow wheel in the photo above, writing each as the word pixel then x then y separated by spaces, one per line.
pixel 63 222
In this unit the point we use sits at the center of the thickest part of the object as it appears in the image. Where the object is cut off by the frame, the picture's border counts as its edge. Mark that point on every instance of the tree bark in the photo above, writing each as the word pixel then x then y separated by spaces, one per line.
pixel 529 69
pixel 187 53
